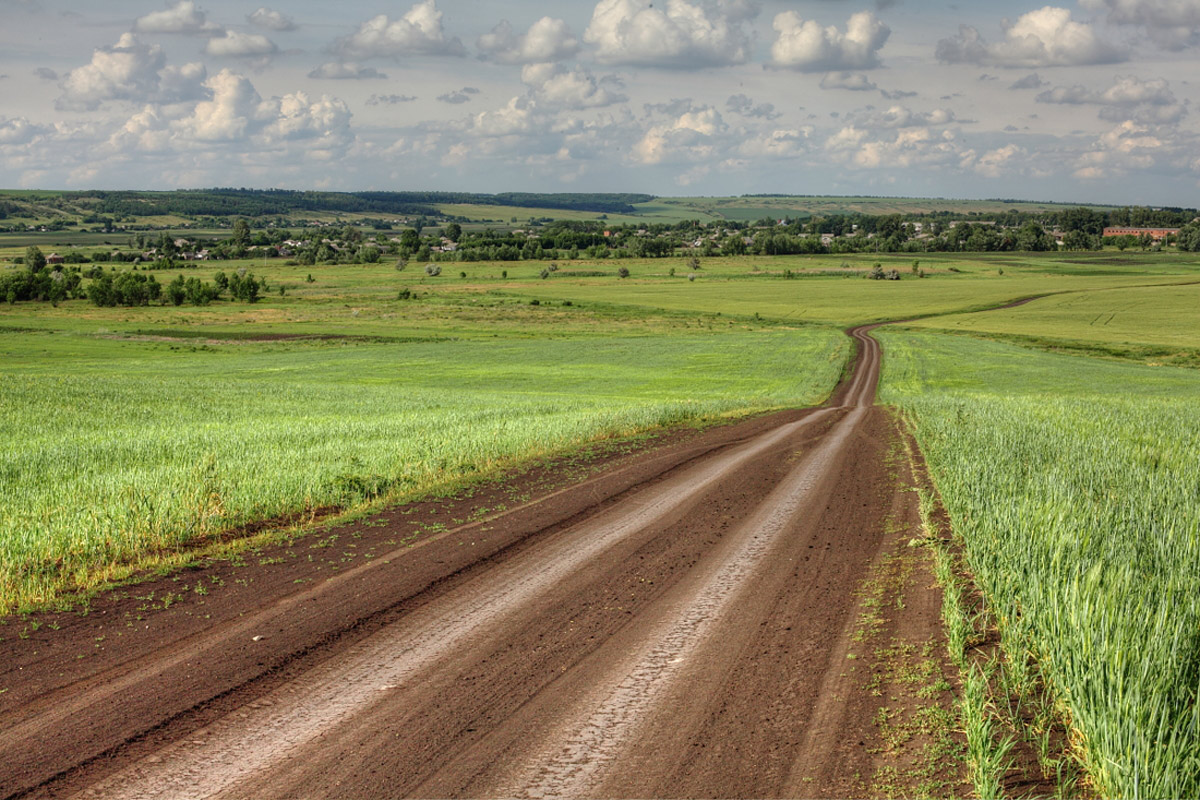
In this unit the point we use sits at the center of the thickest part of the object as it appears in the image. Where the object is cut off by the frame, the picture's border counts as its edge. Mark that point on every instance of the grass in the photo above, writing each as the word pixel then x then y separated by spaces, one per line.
pixel 1073 482
pixel 1156 325
pixel 128 447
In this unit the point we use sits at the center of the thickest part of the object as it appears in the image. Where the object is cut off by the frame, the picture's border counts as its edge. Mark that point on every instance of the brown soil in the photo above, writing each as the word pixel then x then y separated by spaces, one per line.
pixel 671 622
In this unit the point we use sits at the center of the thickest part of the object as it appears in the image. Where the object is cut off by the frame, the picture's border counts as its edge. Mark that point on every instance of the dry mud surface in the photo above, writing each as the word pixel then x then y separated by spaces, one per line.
pixel 675 625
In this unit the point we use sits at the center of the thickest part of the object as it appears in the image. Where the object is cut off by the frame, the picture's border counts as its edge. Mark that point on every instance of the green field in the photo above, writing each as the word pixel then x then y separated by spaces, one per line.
pixel 132 434
pixel 121 444
pixel 1156 325
pixel 1073 484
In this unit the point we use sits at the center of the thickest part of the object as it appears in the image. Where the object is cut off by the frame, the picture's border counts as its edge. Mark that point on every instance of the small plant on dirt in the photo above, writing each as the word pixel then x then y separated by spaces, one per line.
pixel 404 294
pixel 692 277
pixel 623 272
pixel 535 302
pixel 693 263
pixel 433 270
pixel 401 264
pixel 545 274
pixel 310 279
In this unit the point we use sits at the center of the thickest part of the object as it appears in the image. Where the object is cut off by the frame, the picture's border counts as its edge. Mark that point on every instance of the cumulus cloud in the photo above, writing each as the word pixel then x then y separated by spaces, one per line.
pixel 463 95
pixel 900 117
pixel 850 81
pixel 1046 37
pixel 1129 146
pixel 905 148
pixel 389 99
pixel 1031 81
pixel 995 163
pixel 1129 98
pixel 546 40
pixel 1173 24
pixel 805 46
pixel 129 70
pixel 775 144
pixel 271 20
pixel 229 115
pixel 691 136
pixel 682 34
pixel 240 45
pixel 237 114
pixel 19 131
pixel 741 104
pixel 418 32
pixel 344 71
pixel 553 86
pixel 295 117
pixel 183 17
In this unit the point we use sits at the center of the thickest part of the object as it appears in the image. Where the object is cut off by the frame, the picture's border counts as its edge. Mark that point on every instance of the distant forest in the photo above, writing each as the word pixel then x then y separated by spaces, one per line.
pixel 269 202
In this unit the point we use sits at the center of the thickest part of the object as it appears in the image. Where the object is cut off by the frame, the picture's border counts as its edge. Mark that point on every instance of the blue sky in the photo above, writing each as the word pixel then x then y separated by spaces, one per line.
pixel 1089 100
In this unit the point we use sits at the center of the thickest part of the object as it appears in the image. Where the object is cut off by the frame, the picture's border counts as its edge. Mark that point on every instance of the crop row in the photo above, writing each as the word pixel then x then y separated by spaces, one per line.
pixel 1074 485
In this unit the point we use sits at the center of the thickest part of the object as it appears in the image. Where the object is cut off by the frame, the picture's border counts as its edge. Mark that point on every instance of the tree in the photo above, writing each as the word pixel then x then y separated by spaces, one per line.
pixel 241 233
pixel 453 231
pixel 34 259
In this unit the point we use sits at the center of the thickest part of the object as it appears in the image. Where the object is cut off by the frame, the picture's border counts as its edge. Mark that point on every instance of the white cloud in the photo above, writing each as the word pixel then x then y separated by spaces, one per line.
pixel 553 86
pixel 298 118
pixel 237 44
pixel 906 148
pixel 1030 81
pixel 806 46
pixel 546 40
pixel 19 131
pixel 996 163
pixel 900 117
pixel 850 81
pixel 458 97
pixel 343 71
pixel 271 20
pixel 1129 146
pixel 783 143
pixel 1129 98
pixel 515 118
pixel 1173 24
pixel 183 17
pixel 130 70
pixel 690 137
pixel 418 32
pixel 234 108
pixel 634 32
pixel 147 131
pixel 742 104
pixel 1046 37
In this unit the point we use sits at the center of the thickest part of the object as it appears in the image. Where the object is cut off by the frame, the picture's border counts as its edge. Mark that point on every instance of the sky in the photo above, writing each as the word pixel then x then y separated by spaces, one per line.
pixel 1089 101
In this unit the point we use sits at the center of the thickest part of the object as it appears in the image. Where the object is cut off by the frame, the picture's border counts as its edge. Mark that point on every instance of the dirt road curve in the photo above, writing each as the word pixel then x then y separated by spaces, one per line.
pixel 675 626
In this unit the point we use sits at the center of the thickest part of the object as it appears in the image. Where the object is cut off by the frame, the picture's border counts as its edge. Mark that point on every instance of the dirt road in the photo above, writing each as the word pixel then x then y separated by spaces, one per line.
pixel 676 625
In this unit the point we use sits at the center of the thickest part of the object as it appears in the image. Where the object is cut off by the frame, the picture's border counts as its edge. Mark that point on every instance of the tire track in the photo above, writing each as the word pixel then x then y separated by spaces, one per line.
pixel 593 745
pixel 214 760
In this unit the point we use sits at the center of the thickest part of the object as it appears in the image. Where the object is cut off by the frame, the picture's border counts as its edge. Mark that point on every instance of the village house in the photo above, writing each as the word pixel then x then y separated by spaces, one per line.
pixel 1157 234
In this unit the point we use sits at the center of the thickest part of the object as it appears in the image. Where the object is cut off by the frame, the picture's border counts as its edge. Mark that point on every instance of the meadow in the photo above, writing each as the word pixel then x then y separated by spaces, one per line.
pixel 122 446
pixel 1073 485
pixel 135 433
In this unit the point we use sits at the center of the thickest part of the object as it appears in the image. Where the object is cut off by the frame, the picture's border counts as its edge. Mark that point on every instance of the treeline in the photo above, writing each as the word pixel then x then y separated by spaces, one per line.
pixel 275 202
